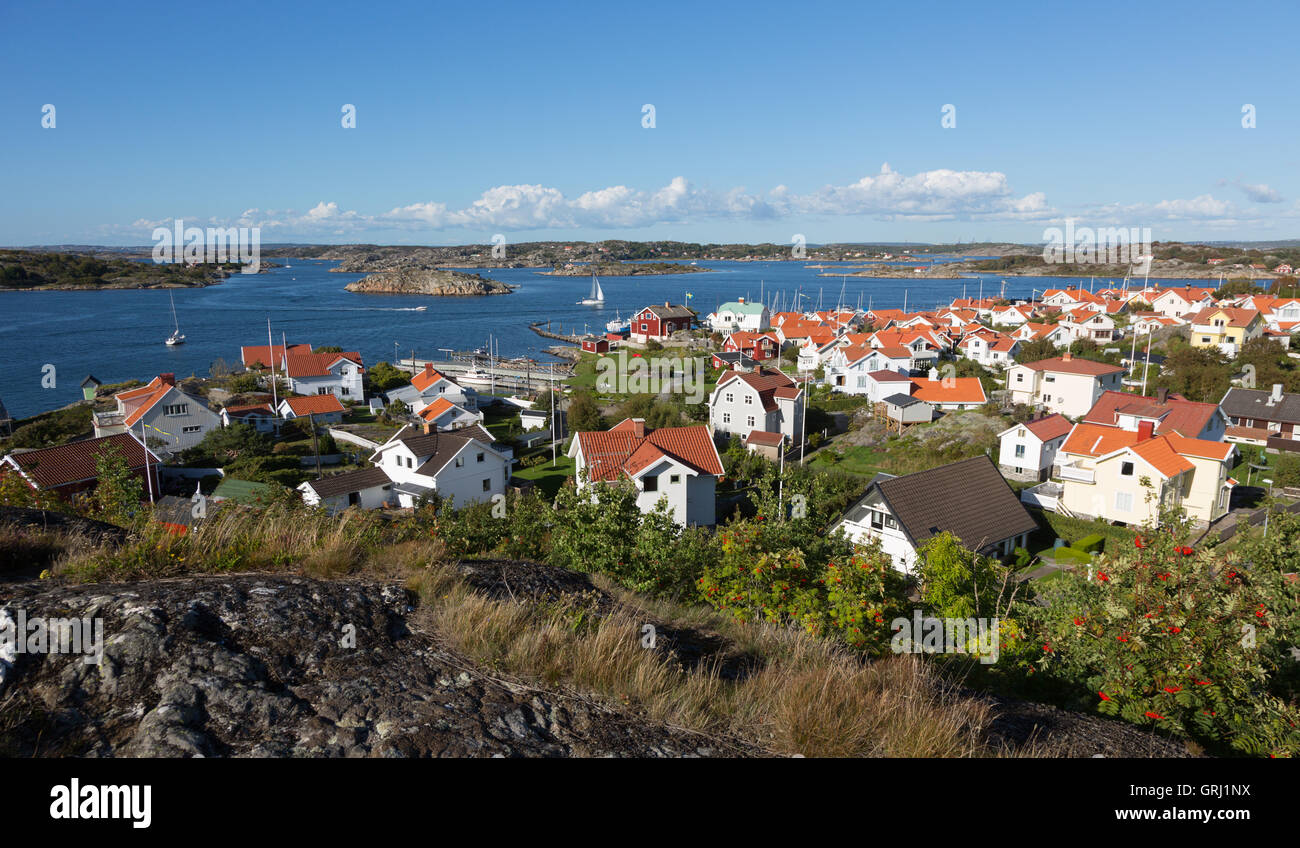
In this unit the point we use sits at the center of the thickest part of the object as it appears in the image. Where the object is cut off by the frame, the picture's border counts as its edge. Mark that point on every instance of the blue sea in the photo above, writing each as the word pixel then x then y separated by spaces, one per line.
pixel 118 334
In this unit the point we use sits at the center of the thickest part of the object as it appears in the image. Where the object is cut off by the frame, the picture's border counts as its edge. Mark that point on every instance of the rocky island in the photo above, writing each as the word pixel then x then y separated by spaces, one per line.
pixel 624 269
pixel 431 281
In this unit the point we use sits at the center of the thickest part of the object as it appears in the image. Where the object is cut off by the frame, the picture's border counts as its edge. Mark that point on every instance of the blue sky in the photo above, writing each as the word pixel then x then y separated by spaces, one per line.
pixel 526 119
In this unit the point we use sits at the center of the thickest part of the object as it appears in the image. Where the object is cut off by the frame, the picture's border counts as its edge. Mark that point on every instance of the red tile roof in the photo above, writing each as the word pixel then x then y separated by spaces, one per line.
pixel 314 404
pixel 317 364
pixel 765 438
pixel 950 390
pixel 1049 427
pixel 1062 365
pixel 438 407
pixel 1176 414
pixel 427 378
pixel 75 462
pixel 270 355
pixel 629 448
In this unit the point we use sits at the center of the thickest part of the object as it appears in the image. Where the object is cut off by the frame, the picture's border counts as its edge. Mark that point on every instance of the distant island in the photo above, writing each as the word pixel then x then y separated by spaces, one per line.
pixel 25 270
pixel 430 281
pixel 624 269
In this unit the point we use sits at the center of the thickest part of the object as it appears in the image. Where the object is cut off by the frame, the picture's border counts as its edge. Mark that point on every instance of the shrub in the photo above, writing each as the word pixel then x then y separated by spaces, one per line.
pixel 1090 543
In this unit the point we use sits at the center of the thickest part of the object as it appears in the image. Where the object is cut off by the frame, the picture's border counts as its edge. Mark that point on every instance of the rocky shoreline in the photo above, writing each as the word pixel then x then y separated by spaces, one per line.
pixel 428 281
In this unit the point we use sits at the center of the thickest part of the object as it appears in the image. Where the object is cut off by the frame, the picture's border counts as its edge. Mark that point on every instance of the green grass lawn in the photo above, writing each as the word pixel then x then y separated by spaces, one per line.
pixel 548 477
pixel 859 459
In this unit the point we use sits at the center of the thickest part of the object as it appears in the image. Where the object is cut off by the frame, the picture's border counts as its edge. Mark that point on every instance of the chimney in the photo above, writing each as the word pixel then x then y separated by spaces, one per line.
pixel 934 374
pixel 1162 395
pixel 1146 430
pixel 170 378
pixel 665 304
pixel 638 427
pixel 1066 357
pixel 1276 397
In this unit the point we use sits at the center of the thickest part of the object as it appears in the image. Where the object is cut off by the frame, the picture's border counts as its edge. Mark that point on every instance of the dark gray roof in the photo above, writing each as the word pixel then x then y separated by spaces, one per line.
pixel 969 499
pixel 91 379
pixel 901 399
pixel 349 481
pixel 1253 403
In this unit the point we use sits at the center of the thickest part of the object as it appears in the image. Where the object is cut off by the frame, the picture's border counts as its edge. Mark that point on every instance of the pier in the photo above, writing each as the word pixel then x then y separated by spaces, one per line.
pixel 536 327
pixel 501 375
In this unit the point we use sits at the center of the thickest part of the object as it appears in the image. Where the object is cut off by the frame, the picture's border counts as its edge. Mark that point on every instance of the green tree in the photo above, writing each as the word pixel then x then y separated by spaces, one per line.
pixel 583 414
pixel 118 492
pixel 384 377
pixel 229 444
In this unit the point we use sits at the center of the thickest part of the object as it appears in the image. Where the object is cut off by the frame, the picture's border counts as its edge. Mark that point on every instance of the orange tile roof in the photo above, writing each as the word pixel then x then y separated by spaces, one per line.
pixel 1236 317
pixel 314 404
pixel 139 401
pixel 1098 439
pixel 951 390
pixel 1176 415
pixel 427 378
pixel 433 410
pixel 1160 453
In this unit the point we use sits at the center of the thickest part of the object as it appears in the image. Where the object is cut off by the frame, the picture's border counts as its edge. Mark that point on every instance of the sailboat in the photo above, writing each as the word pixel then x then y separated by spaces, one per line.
pixel 597 296
pixel 177 337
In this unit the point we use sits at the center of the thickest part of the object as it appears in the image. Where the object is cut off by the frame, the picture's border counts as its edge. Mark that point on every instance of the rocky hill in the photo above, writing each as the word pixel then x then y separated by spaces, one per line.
pixel 432 281
pixel 284 665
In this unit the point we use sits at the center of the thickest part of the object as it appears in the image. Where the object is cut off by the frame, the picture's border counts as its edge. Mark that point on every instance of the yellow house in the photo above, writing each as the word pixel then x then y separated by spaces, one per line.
pixel 1226 327
pixel 1126 475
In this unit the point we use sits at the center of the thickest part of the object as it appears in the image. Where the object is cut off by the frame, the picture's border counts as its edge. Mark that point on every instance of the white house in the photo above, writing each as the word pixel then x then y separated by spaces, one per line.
pixel 1028 451
pixel 339 374
pixel 739 315
pixel 969 499
pixel 677 465
pixel 428 385
pixel 992 350
pixel 323 409
pixel 444 415
pixel 166 416
pixel 259 416
pixel 765 399
pixel 463 465
pixel 1178 303
pixel 1062 384
pixel 1084 323
pixel 366 488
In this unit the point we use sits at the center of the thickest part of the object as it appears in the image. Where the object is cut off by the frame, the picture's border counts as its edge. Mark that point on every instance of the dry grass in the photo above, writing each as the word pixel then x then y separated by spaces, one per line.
pixel 796 694
pixel 808 696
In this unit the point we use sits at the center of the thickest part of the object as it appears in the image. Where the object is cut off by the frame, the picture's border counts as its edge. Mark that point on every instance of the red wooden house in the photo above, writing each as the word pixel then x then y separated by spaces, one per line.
pixel 660 322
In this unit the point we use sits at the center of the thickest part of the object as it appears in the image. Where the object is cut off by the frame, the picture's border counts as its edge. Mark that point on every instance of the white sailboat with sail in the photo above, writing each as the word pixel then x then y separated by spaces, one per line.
pixel 177 337
pixel 597 296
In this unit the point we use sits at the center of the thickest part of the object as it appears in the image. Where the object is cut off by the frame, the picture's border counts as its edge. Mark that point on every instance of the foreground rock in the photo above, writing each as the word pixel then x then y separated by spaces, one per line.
pixel 433 281
pixel 256 666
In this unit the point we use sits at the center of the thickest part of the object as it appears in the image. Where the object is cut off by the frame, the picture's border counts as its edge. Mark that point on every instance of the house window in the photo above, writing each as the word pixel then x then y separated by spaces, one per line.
pixel 410 463
pixel 322 390
pixel 751 421
pixel 175 409
pixel 1049 379
pixel 650 484
pixel 676 478
pixel 1020 376
pixel 194 429
pixel 643 328
pixel 460 462
pixel 877 520
pixel 1124 501
pixel 1205 339
pixel 480 456
pixel 726 418
pixel 487 484
pixel 730 397
pixel 1126 469
pixel 1020 451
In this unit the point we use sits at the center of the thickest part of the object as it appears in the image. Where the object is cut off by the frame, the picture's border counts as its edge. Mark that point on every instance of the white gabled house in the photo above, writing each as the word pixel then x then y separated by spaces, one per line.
pixel 764 399
pixel 339 374
pixel 677 465
pixel 323 409
pixel 444 415
pixel 1028 451
pixel 739 315
pixel 166 416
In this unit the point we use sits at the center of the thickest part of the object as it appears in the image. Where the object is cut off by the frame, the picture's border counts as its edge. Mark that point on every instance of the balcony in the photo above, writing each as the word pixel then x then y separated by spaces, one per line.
pixel 1074 473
